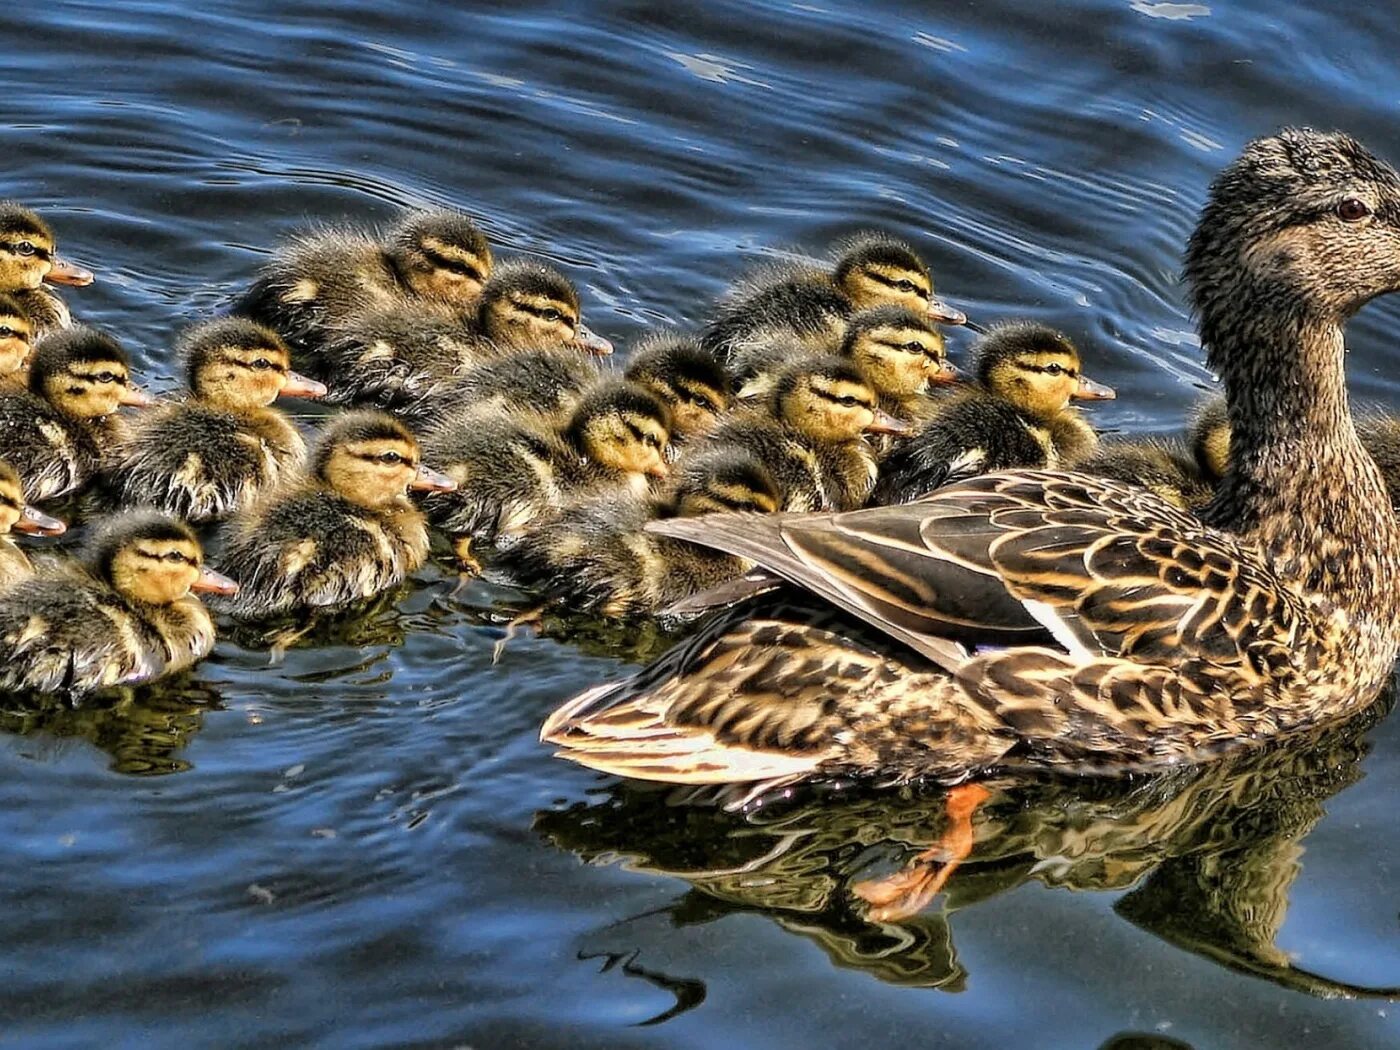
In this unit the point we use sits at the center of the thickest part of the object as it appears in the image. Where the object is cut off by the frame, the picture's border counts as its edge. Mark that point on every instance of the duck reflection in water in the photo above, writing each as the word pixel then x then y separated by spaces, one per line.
pixel 1207 855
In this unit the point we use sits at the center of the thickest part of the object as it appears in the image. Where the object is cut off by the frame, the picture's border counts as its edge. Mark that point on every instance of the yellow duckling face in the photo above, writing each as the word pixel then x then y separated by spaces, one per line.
pixel 15 515
pixel 690 382
pixel 876 270
pixel 154 560
pixel 372 460
pixel 442 255
pixel 16 336
pixel 723 480
pixel 528 306
pixel 84 374
pixel 828 400
pixel 1035 368
pixel 900 352
pixel 27 256
pixel 622 428
pixel 239 366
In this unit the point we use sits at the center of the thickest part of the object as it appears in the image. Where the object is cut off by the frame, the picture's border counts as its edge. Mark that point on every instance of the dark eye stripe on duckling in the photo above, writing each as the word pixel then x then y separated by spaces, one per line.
pixel 897 283
pixel 848 398
pixel 10 502
pixel 646 437
pixel 451 262
pixel 267 362
pixel 543 312
pixel 381 456
pixel 26 247
pixel 173 557
pixel 1050 368
pixel 106 376
pixel 709 400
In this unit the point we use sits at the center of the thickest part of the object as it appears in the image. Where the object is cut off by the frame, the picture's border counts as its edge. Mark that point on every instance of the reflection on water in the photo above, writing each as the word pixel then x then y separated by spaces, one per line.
pixel 1207 854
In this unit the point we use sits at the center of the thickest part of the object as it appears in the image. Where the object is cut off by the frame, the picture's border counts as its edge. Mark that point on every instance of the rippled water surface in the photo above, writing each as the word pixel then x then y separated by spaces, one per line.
pixel 365 846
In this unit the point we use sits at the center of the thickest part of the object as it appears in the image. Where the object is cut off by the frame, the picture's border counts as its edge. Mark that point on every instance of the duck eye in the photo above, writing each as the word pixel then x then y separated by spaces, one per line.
pixel 262 364
pixel 914 347
pixel 24 248
pixel 1352 210
pixel 1054 369
pixel 174 556
pixel 390 457
pixel 6 331
pixel 849 401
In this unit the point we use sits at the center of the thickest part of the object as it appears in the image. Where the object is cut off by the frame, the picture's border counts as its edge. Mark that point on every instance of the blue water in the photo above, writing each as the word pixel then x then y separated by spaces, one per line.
pixel 364 846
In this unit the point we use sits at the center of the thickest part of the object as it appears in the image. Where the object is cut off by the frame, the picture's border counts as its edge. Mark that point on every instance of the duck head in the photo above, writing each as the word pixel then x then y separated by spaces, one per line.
pixel 441 255
pixel 237 365
pixel 901 352
pixel 372 460
pixel 874 269
pixel 83 373
pixel 693 385
pixel 16 335
pixel 722 480
pixel 527 305
pixel 622 427
pixel 1035 368
pixel 16 515
pixel 153 559
pixel 27 257
pixel 827 399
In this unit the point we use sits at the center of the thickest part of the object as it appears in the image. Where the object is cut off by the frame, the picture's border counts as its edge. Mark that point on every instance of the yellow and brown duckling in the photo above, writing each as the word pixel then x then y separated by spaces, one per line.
pixel 16 341
pixel 595 557
pixel 17 516
pixel 512 471
pixel 215 452
pixel 688 380
pixel 810 435
pixel 28 262
pixel 346 533
pixel 55 431
pixel 320 279
pixel 400 359
pixel 126 615
pixel 1184 477
pixel 810 305
pixel 1018 415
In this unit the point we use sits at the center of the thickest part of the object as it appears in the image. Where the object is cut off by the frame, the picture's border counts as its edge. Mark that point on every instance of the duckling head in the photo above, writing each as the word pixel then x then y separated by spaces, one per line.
pixel 720 480
pixel 526 305
pixel 16 515
pixel 1210 438
pixel 83 373
pixel 692 384
pixel 901 353
pixel 372 460
pixel 237 365
pixel 875 269
pixel 16 335
pixel 622 427
pixel 828 400
pixel 27 256
pixel 153 559
pixel 441 255
pixel 1035 368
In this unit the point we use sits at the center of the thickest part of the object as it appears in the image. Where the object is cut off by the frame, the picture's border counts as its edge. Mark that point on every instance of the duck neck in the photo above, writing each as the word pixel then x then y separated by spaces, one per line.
pixel 1300 485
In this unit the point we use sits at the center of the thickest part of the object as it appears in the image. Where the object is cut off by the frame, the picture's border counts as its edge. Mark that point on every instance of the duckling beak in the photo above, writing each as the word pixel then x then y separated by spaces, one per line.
pixel 427 480
pixel 591 341
pixel 659 469
pixel 947 373
pixel 211 582
pixel 298 385
pixel 884 423
pixel 61 271
pixel 940 312
pixel 35 522
pixel 135 397
pixel 1091 391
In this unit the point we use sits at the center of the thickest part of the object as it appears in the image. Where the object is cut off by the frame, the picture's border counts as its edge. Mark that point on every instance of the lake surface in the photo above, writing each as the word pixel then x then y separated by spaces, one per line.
pixel 365 846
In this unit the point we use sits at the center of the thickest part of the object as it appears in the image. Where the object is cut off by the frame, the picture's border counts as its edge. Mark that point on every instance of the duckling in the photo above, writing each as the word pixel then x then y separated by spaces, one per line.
pixel 126 615
pixel 1184 478
pixel 346 533
pixel 321 278
pixel 16 340
pixel 511 471
pixel 392 357
pixel 594 557
pixel 689 381
pixel 54 432
pixel 810 305
pixel 28 262
pixel 548 384
pixel 17 516
pixel 214 453
pixel 1017 416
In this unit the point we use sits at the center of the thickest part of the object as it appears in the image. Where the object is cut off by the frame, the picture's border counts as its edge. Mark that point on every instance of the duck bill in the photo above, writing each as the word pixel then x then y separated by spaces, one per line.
pixel 659 470
pixel 940 312
pixel 595 344
pixel 61 271
pixel 431 481
pixel 34 522
pixel 1091 391
pixel 135 397
pixel 211 582
pixel 884 423
pixel 298 385
pixel 946 374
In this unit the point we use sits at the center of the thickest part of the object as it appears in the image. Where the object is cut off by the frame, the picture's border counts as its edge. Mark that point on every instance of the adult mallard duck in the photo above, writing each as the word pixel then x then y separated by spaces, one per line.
pixel 17 516
pixel 320 278
pixel 54 432
pixel 345 533
pixel 28 262
pixel 1122 632
pixel 204 457
pixel 810 305
pixel 125 615
pixel 1017 415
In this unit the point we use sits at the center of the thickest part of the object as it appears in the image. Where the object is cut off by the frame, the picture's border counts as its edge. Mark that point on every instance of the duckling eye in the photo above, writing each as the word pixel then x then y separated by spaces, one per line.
pixel 849 401
pixel 262 364
pixel 6 331
pixel 552 315
pixel 110 377
pixel 914 347
pixel 173 557
pixel 651 441
pixel 1352 210
pixel 25 248
pixel 390 457
pixel 1054 369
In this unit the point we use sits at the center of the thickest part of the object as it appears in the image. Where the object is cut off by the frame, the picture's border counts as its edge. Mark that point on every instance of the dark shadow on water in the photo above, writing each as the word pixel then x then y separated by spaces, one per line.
pixel 1207 856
